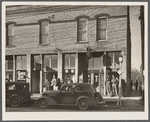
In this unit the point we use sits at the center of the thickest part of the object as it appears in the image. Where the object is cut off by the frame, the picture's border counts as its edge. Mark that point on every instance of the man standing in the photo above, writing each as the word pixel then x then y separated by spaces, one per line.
pixel 136 85
pixel 131 85
pixel 114 85
pixel 107 86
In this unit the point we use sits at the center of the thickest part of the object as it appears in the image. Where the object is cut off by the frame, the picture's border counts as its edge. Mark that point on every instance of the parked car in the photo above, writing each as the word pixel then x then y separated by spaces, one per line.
pixel 82 95
pixel 17 93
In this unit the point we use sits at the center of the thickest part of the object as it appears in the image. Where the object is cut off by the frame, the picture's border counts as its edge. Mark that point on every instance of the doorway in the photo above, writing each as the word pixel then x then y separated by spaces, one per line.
pixel 35 81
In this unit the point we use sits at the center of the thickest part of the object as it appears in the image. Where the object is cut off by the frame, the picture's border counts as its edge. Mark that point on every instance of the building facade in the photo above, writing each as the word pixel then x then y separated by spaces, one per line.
pixel 83 43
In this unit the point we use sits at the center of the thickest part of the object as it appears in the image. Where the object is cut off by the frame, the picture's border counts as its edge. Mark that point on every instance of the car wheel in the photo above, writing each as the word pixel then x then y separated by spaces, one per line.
pixel 43 103
pixel 83 104
pixel 15 102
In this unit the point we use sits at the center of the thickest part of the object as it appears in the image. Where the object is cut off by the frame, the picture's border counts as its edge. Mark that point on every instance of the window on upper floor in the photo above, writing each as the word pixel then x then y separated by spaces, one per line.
pixel 101 28
pixel 82 30
pixel 10 34
pixel 44 31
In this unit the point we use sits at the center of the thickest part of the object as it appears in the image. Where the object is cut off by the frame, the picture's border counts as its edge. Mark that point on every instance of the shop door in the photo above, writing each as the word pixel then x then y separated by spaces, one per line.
pixel 35 81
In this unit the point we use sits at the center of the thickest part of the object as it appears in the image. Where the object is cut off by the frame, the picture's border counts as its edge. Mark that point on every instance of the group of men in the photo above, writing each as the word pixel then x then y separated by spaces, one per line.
pixel 55 84
pixel 112 85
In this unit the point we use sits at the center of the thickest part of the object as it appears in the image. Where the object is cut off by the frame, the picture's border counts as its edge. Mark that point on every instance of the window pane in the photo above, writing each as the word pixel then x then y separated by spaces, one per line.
pixel 6 64
pixel 117 54
pixel 46 61
pixel 84 89
pixel 44 38
pixel 82 36
pixel 82 25
pixel 10 40
pixel 67 60
pixel 18 62
pixel 11 31
pixel 24 62
pixel 72 61
pixel 110 55
pixel 54 61
pixel 102 23
pixel 21 62
pixel 101 34
pixel 10 64
pixel 44 27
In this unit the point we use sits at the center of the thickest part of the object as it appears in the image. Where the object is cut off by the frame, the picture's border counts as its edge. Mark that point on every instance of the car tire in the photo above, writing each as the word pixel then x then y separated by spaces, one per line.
pixel 83 104
pixel 43 103
pixel 15 102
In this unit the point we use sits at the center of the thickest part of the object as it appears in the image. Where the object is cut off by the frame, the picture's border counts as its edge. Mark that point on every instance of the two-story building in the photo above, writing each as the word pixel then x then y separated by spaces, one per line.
pixel 50 42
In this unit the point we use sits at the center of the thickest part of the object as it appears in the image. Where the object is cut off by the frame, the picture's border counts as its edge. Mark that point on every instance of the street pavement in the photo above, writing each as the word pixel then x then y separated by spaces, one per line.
pixel 131 103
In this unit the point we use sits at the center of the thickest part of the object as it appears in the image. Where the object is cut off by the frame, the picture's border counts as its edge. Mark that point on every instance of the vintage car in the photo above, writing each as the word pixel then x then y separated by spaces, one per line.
pixel 82 95
pixel 17 93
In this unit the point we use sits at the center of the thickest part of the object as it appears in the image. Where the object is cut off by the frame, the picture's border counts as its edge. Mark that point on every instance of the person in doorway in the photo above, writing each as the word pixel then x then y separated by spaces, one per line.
pixel 114 85
pixel 58 83
pixel 131 85
pixel 117 84
pixel 54 84
pixel 107 86
pixel 47 84
pixel 136 85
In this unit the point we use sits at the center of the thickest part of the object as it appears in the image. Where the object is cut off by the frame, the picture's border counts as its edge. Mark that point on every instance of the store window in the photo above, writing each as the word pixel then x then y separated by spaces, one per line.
pixel 69 61
pixel 10 34
pixel 50 61
pixel 114 58
pixel 9 63
pixel 82 29
pixel 116 62
pixel 101 28
pixel 111 59
pixel 44 30
pixel 94 62
pixel 21 62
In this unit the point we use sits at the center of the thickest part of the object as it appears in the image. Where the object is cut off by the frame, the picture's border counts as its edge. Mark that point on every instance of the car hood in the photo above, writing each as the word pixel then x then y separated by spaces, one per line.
pixel 51 93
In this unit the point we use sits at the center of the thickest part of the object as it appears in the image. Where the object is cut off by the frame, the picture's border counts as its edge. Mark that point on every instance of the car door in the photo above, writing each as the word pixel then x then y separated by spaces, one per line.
pixel 66 95
pixel 81 91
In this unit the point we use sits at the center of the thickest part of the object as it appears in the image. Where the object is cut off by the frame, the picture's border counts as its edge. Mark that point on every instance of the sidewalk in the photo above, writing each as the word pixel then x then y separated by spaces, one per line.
pixel 132 102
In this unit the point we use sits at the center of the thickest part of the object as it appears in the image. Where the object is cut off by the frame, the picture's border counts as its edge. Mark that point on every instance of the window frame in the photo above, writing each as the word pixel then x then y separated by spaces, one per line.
pixel 97 30
pixel 7 34
pixel 113 59
pixel 69 65
pixel 50 60
pixel 40 31
pixel 82 31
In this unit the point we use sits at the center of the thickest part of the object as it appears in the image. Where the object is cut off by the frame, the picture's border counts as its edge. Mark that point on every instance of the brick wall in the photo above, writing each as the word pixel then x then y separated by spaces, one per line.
pixel 63 31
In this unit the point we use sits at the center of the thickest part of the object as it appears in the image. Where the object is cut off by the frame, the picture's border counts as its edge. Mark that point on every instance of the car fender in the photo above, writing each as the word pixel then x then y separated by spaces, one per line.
pixel 90 100
pixel 50 100
pixel 15 95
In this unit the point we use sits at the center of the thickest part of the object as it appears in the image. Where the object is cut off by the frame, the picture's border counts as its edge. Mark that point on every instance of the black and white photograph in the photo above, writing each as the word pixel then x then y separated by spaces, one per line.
pixel 74 61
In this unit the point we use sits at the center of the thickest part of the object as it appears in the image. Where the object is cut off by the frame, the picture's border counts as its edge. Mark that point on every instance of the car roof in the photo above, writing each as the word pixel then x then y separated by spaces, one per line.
pixel 79 84
pixel 16 83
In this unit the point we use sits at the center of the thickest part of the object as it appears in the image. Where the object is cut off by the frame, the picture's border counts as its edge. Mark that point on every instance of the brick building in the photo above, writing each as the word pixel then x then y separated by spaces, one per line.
pixel 47 42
